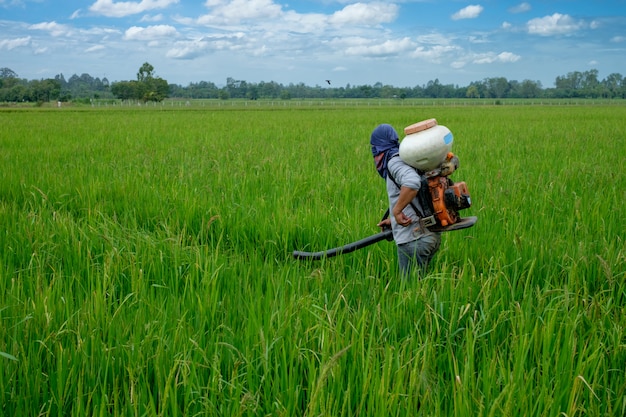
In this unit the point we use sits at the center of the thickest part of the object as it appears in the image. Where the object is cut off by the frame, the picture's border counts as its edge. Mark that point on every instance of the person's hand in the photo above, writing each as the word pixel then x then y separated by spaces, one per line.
pixel 384 224
pixel 402 219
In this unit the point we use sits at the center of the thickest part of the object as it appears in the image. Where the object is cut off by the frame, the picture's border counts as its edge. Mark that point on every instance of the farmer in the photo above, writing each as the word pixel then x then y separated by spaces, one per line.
pixel 416 244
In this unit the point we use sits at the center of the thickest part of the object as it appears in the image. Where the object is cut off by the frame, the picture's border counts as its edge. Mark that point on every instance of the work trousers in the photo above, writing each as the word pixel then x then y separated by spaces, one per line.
pixel 416 255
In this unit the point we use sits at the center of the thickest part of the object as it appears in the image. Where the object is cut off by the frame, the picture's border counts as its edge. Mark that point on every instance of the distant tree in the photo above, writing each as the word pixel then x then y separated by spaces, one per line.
pixel 155 89
pixel 7 73
pixel 18 92
pixel 61 79
pixel 253 93
pixel 613 84
pixel 472 92
pixel 148 87
pixel 530 89
pixel 126 90
pixel 145 72
pixel 223 94
pixel 8 80
pixel 569 85
pixel 269 90
pixel 497 87
pixel 366 90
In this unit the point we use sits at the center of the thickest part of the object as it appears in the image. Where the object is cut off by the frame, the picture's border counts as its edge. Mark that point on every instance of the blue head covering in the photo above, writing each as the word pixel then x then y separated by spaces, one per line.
pixel 385 145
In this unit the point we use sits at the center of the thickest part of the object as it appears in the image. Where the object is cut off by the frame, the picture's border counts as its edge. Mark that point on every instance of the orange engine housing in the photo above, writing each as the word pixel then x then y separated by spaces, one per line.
pixel 447 198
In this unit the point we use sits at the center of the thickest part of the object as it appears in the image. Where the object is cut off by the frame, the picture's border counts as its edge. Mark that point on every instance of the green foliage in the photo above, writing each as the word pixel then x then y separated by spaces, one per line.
pixel 13 89
pixel 146 88
pixel 146 265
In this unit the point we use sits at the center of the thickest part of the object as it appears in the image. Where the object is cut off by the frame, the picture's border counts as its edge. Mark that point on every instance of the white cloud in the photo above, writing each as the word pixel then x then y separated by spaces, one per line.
pixel 520 8
pixel 434 39
pixel 479 39
pixel 386 48
pixel 618 39
pixel 270 17
pixel 187 49
pixel 508 57
pixel 10 44
pixel 151 19
pixel 557 24
pixel 484 58
pixel 150 33
pixel 305 23
pixel 110 8
pixel 369 14
pixel 95 48
pixel 54 28
pixel 435 54
pixel 233 12
pixel 469 12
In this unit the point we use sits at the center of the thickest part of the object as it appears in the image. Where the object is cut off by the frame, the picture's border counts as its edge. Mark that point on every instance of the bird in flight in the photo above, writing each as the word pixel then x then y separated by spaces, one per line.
pixel 328 81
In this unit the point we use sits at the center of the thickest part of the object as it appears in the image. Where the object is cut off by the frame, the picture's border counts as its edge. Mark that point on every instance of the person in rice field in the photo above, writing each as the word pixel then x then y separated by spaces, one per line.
pixel 416 245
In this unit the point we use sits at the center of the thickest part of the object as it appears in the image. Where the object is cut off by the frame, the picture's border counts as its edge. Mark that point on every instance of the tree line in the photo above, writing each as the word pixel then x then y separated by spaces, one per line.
pixel 83 88
pixel 149 87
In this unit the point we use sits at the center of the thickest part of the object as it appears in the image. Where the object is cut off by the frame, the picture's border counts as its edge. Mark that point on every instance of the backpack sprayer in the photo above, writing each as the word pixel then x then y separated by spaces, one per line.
pixel 427 148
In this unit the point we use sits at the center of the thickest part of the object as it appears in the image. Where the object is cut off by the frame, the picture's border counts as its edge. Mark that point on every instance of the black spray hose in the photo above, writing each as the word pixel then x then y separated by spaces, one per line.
pixel 350 247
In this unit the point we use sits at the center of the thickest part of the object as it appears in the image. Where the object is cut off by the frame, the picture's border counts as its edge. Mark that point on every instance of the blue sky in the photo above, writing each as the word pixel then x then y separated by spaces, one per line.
pixel 403 43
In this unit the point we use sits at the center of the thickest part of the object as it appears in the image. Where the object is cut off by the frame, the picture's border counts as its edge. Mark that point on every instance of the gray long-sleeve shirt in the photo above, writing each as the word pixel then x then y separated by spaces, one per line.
pixel 407 176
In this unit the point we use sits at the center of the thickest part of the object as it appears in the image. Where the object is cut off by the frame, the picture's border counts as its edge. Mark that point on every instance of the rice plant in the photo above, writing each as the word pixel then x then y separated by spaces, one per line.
pixel 146 268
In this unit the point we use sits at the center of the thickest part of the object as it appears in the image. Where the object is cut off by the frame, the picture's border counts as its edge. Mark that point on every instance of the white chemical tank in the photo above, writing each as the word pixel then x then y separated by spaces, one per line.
pixel 426 145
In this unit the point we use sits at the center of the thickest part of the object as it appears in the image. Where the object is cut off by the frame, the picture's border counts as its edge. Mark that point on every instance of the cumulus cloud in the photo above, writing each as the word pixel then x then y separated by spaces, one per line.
pixel 387 48
pixel 490 58
pixel 557 24
pixel 55 29
pixel 370 14
pixel 469 12
pixel 520 8
pixel 235 11
pixel 266 13
pixel 305 23
pixel 10 44
pixel 484 58
pixel 150 33
pixel 110 8
pixel 435 54
pixel 189 49
pixel 155 18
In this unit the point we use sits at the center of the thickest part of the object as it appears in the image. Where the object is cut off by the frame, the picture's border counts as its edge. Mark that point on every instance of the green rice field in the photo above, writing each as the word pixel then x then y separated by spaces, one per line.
pixel 146 265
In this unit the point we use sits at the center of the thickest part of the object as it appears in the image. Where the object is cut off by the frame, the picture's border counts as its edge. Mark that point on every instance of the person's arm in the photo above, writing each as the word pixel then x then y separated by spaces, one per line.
pixel 410 182
pixel 406 196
